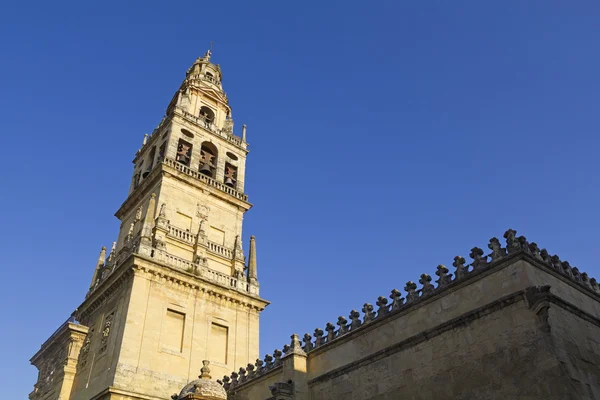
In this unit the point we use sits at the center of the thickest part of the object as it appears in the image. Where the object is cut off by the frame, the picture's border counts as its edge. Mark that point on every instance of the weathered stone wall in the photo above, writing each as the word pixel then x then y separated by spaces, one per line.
pixel 497 355
pixel 521 325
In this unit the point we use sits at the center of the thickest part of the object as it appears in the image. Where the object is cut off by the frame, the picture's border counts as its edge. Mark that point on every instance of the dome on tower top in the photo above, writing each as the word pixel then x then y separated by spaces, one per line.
pixel 202 388
pixel 205 70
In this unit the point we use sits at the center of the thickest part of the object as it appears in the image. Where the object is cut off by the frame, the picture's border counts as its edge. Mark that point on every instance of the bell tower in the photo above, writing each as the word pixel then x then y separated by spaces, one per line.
pixel 176 287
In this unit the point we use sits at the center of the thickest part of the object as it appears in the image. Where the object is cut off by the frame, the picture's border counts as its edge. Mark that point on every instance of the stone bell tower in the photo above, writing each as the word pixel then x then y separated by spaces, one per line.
pixel 176 287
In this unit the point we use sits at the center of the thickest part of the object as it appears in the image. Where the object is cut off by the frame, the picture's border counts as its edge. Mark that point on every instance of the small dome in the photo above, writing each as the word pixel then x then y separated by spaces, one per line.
pixel 203 388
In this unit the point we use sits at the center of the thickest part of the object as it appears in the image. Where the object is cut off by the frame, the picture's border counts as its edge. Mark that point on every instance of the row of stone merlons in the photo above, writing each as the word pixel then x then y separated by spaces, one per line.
pixel 384 307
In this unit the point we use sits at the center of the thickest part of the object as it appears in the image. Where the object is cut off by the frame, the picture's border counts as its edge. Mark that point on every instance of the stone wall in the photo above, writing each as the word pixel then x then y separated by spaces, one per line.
pixel 516 323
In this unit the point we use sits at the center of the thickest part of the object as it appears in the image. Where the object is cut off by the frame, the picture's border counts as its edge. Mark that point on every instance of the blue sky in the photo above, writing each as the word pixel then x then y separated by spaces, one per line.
pixel 386 138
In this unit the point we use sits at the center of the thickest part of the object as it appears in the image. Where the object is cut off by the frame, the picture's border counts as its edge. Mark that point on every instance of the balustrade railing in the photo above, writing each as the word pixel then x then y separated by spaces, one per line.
pixel 181 234
pixel 208 180
pixel 204 272
pixel 220 250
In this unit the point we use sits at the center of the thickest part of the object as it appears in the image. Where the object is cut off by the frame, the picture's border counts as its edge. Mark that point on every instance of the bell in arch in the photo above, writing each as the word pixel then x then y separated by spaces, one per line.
pixel 205 169
pixel 147 172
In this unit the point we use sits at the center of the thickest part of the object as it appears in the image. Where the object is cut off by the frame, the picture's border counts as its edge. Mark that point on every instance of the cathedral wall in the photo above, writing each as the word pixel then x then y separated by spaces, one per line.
pixel 517 330
pixel 455 302
pixel 171 328
pixel 577 342
pixel 498 356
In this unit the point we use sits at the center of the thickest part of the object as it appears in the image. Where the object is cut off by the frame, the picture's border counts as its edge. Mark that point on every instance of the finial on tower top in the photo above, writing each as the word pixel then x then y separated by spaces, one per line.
pixel 209 52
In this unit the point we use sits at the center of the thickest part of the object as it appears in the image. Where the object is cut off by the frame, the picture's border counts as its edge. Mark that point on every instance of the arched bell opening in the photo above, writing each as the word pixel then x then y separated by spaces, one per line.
pixel 150 163
pixel 207 116
pixel 208 159
pixel 184 152
pixel 230 175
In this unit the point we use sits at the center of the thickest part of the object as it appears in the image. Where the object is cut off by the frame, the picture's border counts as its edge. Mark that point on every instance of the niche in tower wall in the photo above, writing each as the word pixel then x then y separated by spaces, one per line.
pixel 148 169
pixel 230 175
pixel 161 152
pixel 184 152
pixel 207 115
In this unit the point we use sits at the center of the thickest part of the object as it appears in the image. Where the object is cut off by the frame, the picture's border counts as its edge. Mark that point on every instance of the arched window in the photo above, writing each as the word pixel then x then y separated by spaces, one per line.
pixel 208 159
pixel 207 116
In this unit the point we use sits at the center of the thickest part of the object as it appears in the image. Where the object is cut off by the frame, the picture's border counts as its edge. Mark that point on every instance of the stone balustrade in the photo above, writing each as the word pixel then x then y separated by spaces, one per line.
pixel 383 307
pixel 198 269
pixel 220 250
pixel 181 234
pixel 203 77
pixel 206 179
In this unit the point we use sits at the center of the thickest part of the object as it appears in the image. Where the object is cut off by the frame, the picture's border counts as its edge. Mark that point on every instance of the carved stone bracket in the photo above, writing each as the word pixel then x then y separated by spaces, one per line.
pixel 537 300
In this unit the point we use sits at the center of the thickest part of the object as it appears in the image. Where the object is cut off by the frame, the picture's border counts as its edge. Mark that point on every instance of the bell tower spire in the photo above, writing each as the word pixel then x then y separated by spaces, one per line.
pixel 175 288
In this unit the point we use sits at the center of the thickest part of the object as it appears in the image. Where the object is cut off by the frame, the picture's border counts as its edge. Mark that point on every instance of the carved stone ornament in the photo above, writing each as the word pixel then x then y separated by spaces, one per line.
pixel 277 354
pixel 106 331
pixel 308 346
pixel 397 300
pixel 479 260
pixel 428 288
pixel 319 337
pixel 536 298
pixel 383 307
pixel 343 324
pixel 330 328
pixel 444 277
pixel 411 292
pixel 138 214
pixel 368 312
pixel 512 244
pixel 355 321
pixel 497 251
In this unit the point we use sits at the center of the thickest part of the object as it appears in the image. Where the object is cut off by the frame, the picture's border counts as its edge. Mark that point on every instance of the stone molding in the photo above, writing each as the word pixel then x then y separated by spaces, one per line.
pixel 113 282
pixel 191 282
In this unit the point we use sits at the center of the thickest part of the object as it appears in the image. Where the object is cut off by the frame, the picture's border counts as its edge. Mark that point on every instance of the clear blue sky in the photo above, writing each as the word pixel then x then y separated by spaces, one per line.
pixel 386 138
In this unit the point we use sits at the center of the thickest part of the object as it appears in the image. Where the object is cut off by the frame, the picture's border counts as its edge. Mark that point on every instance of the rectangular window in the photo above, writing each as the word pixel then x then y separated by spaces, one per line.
pixel 173 331
pixel 218 344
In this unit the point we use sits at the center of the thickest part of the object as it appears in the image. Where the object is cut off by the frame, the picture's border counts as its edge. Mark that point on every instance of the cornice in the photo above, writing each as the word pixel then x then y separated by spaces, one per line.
pixel 63 333
pixel 188 281
pixel 106 288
